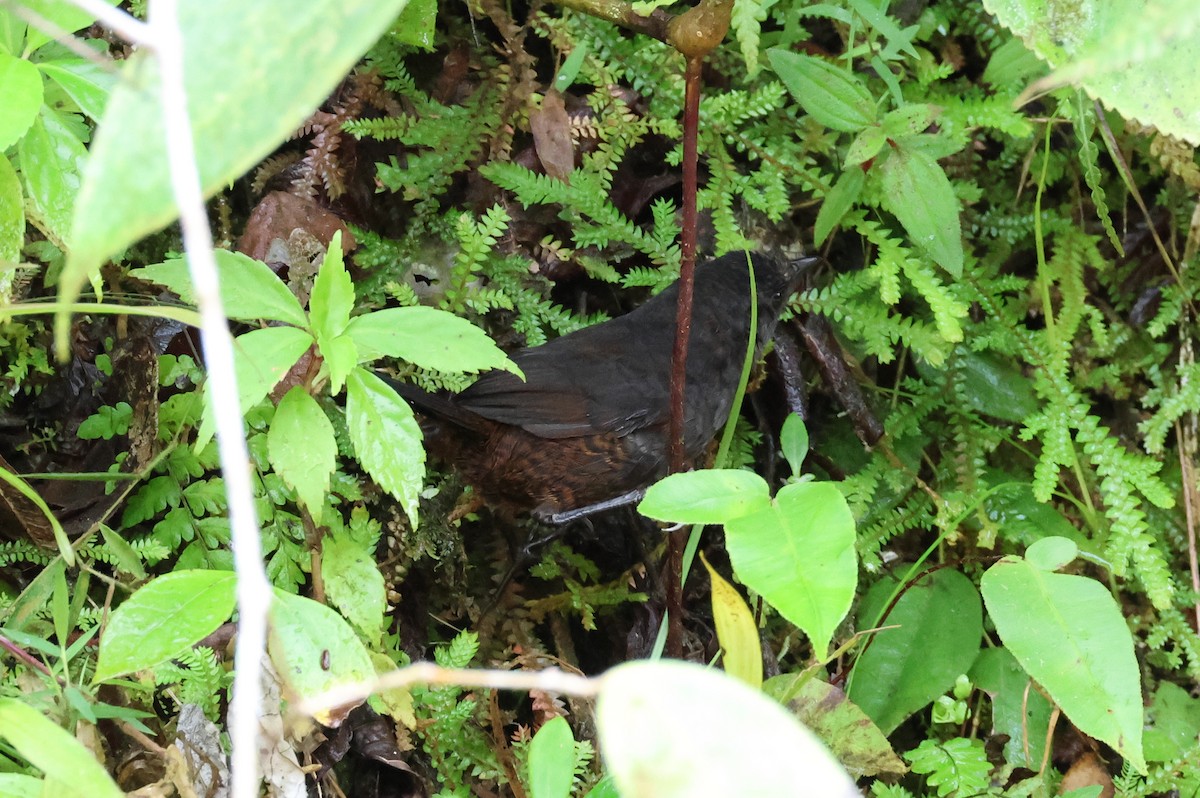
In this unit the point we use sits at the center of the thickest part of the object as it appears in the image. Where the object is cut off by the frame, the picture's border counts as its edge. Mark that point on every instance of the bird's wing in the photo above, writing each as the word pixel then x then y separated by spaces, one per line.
pixel 580 386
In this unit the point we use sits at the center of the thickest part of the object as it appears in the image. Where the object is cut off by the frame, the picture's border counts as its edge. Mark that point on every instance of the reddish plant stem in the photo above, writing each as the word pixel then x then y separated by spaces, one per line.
pixel 683 329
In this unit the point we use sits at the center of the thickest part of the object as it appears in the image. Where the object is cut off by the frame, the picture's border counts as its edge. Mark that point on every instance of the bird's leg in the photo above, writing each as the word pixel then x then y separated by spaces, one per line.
pixel 567 516
pixel 525 557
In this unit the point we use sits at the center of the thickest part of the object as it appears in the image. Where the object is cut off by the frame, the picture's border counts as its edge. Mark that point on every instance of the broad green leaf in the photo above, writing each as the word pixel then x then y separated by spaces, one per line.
pixel 1068 633
pixel 552 760
pixel 798 554
pixel 386 438
pixel 71 770
pixel 85 82
pixel 341 357
pixel 261 358
pixel 917 192
pixel 18 785
pixel 353 582
pixel 427 337
pixel 940 625
pixel 793 441
pixel 12 225
pixel 289 57
pixel 736 630
pixel 992 385
pixel 1135 56
pixel 415 24
pixel 20 98
pixel 302 448
pixel 672 729
pixel 832 95
pixel 856 742
pixel 63 16
pixel 1012 64
pixel 1019 710
pixel 332 296
pixel 605 788
pixel 708 496
pixel 249 289
pixel 841 198
pixel 1174 718
pixel 163 618
pixel 314 649
pixel 125 557
pixel 396 702
pixel 52 161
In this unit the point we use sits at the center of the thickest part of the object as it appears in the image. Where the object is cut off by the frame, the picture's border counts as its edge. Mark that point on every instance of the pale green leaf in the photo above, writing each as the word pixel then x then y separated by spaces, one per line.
pixel 918 193
pixel 838 201
pixel 832 95
pixel 249 289
pixel 332 296
pixel 386 438
pixel 552 760
pixel 793 442
pixel 12 227
pixel 87 83
pixel 427 337
pixel 253 73
pixel 261 358
pixel 63 16
pixel 52 161
pixel 798 554
pixel 1068 633
pixel 163 618
pixel 74 770
pixel 672 729
pixel 302 448
pixel 709 496
pixel 314 649
pixel 20 98
pixel 353 582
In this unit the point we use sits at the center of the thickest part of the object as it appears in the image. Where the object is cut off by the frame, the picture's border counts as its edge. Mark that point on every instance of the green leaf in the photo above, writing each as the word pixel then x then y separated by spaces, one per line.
pixel 833 96
pixel 415 25
pixel 672 729
pixel 709 496
pixel 261 358
pixel 249 289
pixel 87 83
pixel 856 742
pixel 302 448
pixel 341 356
pixel 917 192
pixel 64 16
pixel 736 630
pixel 798 554
pixel 1068 633
pixel 1019 710
pixel 20 98
pixel 940 624
pixel 18 785
pixel 838 201
pixel 909 120
pixel 552 760
pixel 12 225
pixel 332 296
pixel 163 618
pixel 429 338
pixel 52 161
pixel 314 649
pixel 1052 553
pixel 71 770
pixel 386 438
pixel 353 582
pixel 1135 56
pixel 793 440
pixel 289 57
pixel 866 145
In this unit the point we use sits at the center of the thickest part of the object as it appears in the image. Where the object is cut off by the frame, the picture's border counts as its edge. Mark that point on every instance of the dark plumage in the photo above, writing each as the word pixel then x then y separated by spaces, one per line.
pixel 588 423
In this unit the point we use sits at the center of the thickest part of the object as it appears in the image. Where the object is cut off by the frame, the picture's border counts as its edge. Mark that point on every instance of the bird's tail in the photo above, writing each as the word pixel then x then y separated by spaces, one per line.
pixel 441 405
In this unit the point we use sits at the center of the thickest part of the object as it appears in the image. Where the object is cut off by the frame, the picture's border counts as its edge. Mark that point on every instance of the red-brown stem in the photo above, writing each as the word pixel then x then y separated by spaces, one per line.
pixel 683 328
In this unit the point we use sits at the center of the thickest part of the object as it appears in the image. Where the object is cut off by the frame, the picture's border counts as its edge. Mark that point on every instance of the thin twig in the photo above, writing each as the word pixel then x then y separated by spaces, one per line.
pixel 551 680
pixel 124 25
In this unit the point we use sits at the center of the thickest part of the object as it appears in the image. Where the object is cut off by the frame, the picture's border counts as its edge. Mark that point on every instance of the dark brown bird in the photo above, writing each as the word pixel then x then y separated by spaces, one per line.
pixel 587 426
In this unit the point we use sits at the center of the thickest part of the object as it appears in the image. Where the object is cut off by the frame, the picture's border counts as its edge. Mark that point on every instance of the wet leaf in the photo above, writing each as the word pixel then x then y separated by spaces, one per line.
pixel 302 448
pixel 386 438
